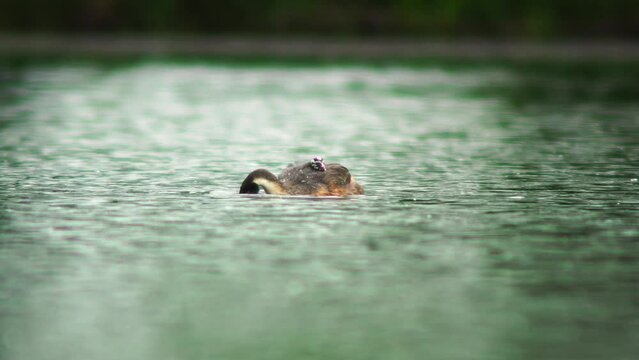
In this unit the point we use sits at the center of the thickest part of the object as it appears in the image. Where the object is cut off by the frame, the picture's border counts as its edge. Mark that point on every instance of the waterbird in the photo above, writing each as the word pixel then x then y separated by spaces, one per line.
pixel 313 177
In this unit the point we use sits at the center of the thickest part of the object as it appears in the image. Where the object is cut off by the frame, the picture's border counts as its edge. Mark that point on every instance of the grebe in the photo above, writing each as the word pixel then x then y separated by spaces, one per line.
pixel 308 178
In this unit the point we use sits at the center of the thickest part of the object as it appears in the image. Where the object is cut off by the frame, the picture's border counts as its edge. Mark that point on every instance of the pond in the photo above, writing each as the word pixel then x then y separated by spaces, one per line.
pixel 501 215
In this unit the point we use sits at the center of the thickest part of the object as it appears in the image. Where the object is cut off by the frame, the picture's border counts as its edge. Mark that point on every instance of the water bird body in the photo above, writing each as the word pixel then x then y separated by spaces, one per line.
pixel 307 178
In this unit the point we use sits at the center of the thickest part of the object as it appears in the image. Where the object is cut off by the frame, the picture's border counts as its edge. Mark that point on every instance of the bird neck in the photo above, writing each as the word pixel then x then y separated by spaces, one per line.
pixel 262 178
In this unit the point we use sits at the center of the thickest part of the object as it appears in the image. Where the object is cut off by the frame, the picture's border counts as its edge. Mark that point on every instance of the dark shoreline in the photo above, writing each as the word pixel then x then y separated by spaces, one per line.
pixel 321 48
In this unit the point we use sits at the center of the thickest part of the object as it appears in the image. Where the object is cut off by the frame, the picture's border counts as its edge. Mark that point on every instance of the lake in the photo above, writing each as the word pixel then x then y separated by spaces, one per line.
pixel 500 221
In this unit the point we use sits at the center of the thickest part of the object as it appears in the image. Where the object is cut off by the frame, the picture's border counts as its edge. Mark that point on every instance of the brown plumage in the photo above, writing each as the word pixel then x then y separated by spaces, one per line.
pixel 303 179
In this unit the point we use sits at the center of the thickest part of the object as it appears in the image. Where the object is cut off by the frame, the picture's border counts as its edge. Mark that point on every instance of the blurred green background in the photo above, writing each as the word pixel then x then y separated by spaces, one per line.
pixel 527 19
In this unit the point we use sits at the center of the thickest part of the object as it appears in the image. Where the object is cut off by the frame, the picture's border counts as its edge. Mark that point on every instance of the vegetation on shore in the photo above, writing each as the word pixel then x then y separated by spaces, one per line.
pixel 531 19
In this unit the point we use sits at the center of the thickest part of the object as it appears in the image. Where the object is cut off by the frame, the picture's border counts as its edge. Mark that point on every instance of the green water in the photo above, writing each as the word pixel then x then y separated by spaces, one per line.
pixel 501 219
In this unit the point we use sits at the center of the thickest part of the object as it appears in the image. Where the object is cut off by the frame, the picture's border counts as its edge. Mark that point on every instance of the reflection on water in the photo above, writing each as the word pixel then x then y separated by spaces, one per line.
pixel 500 219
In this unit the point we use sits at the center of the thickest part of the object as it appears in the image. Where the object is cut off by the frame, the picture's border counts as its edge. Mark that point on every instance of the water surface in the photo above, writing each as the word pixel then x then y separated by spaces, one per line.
pixel 500 219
